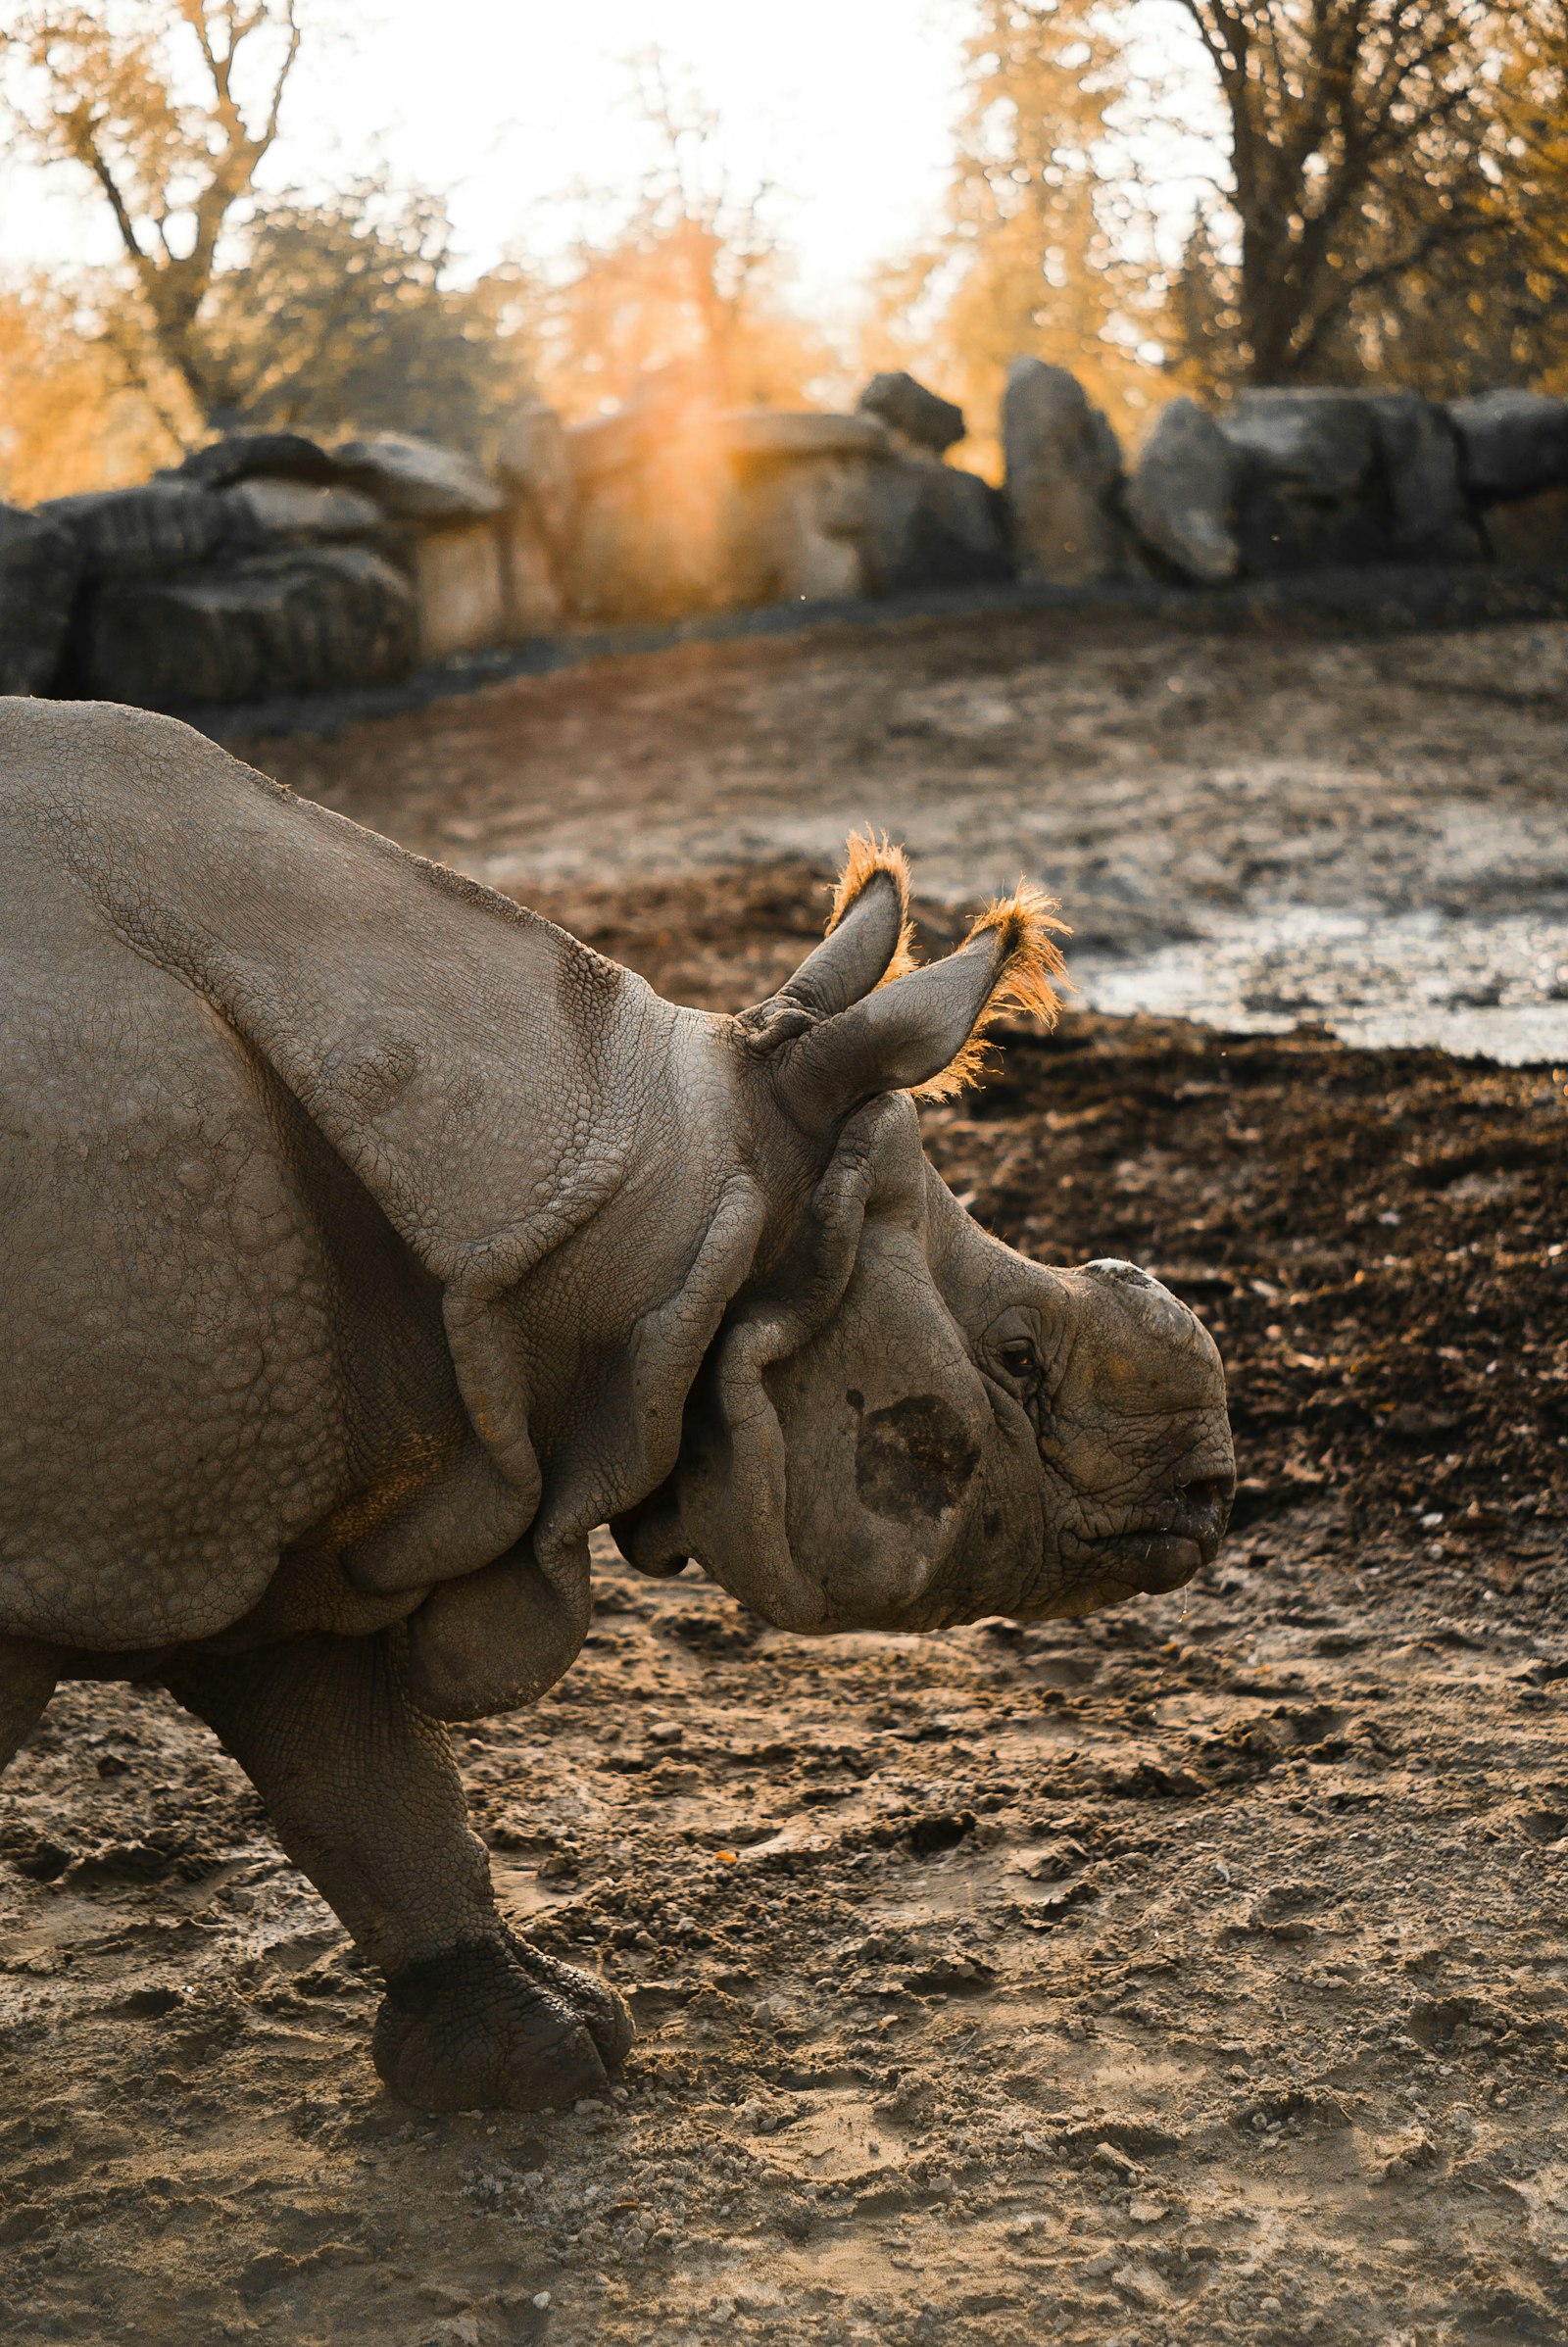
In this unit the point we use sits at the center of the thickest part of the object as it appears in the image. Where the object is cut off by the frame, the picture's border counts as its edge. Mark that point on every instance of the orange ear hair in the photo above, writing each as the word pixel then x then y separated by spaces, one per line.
pixel 868 853
pixel 1028 928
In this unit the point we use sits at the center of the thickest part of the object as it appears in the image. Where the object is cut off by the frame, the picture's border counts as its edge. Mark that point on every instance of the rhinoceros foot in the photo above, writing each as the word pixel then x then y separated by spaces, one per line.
pixel 494 2026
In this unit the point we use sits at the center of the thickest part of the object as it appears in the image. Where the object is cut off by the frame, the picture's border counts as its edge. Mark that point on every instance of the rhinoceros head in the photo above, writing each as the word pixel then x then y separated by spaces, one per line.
pixel 903 1423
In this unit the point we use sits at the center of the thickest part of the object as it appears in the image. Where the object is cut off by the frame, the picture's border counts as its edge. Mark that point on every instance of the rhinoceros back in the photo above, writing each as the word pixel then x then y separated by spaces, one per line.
pixel 177 1401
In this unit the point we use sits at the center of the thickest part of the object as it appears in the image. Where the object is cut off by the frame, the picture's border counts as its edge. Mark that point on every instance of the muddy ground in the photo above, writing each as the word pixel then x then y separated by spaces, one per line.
pixel 1195 1973
pixel 1250 828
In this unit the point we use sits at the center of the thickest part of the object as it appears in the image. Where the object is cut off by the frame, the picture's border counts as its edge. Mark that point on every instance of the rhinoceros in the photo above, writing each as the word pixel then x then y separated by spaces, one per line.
pixel 368 1243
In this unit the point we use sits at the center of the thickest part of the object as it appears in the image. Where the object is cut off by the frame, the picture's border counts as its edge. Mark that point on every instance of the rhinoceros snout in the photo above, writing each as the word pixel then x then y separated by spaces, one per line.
pixel 1164 1553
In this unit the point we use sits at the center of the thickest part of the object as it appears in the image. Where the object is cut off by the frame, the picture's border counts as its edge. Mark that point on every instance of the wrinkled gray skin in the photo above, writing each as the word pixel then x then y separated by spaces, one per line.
pixel 369 1242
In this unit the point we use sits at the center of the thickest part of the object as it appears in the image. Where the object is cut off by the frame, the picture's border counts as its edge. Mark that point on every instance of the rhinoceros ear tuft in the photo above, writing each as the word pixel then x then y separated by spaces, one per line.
pixel 867 856
pixel 925 1033
pixel 1024 929
pixel 869 942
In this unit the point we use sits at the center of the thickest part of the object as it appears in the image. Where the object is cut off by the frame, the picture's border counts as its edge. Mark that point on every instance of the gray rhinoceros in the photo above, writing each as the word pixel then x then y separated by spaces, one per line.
pixel 369 1242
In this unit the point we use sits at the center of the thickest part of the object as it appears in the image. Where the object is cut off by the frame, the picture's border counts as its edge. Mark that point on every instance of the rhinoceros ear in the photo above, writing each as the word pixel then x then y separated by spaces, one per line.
pixel 925 1032
pixel 869 940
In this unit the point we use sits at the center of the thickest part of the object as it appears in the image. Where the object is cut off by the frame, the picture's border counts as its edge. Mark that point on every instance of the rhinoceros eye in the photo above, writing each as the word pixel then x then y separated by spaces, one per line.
pixel 1019 1358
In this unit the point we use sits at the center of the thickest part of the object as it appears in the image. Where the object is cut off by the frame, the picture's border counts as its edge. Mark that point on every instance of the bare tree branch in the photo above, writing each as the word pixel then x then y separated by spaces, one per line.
pixel 110 103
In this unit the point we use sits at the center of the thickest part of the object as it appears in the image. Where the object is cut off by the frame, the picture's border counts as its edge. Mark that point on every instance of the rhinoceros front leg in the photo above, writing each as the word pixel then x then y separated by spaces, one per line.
pixel 365 1798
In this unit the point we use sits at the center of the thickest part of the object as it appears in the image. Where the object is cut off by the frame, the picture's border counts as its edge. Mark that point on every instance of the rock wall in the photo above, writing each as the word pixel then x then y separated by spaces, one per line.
pixel 269 562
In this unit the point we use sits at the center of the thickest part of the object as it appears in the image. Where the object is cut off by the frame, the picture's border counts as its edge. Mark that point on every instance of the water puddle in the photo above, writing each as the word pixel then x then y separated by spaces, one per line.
pixel 1493 987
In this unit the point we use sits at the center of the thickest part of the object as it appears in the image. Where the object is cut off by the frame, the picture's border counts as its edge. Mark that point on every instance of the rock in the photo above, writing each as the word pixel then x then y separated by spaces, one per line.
pixel 152 532
pixel 535 462
pixel 800 507
pixel 243 455
pixel 418 481
pixel 1418 452
pixel 1308 479
pixel 1511 443
pixel 1063 469
pixel 754 434
pixel 1180 496
pixel 307 511
pixel 286 623
pixel 1531 531
pixel 39 568
pixel 535 604
pixel 927 524
pixel 804 531
pixel 650 537
pixel 460 590
pixel 918 416
pixel 1346 476
pixel 1320 441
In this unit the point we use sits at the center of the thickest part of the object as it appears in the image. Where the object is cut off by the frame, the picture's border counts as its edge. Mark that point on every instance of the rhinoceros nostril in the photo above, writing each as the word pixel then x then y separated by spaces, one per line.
pixel 1206 1500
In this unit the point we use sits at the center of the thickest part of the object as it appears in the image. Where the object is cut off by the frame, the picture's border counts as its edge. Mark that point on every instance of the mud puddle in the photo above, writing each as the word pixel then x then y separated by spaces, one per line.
pixel 1493 987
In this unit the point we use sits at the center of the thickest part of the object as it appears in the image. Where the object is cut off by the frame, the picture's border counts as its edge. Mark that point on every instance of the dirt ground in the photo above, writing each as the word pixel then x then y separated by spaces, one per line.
pixel 1252 828
pixel 1195 1973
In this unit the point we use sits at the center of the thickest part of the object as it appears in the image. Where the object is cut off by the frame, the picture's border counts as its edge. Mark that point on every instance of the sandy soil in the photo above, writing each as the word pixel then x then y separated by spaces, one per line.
pixel 1197 1972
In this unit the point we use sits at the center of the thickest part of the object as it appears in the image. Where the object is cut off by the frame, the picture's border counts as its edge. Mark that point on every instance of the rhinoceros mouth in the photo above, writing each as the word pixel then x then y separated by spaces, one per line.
pixel 1151 1561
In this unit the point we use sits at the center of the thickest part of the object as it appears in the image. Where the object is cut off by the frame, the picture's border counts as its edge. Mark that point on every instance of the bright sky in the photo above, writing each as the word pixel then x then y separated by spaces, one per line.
pixel 845 105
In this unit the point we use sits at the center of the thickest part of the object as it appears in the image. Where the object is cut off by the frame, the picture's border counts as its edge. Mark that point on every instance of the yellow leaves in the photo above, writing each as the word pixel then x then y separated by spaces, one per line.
pixel 67 420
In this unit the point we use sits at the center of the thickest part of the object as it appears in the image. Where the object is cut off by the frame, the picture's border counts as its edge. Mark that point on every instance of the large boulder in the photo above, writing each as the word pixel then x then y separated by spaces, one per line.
pixel 1530 532
pixel 1330 476
pixel 1427 512
pixel 649 537
pixel 460 589
pixel 1308 464
pixel 796 532
pixel 39 568
pixel 418 481
pixel 286 623
pixel 1512 443
pixel 1317 440
pixel 248 455
pixel 306 511
pixel 1347 477
pixel 532 570
pixel 1064 472
pixel 535 465
pixel 1181 495
pixel 155 531
pixel 919 416
pixel 801 509
pixel 927 524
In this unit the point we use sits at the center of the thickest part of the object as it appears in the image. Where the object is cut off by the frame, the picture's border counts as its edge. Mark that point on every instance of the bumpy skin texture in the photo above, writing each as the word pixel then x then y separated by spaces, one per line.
pixel 364 1795
pixel 369 1242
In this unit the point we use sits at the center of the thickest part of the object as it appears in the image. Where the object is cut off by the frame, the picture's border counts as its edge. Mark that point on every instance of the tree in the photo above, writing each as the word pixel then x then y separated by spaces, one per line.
pixel 1367 164
pixel 69 416
pixel 1038 253
pixel 346 316
pixel 689 282
pixel 104 88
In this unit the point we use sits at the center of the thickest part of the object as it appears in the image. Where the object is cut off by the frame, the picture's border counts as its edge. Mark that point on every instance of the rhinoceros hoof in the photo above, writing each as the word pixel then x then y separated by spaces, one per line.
pixel 494 2026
